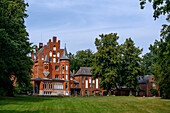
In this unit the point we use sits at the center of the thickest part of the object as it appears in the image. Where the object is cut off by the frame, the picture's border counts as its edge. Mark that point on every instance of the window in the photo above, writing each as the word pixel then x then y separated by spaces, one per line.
pixel 54 48
pixel 56 68
pixel 58 85
pixel 89 81
pixel 47 85
pixel 58 60
pixel 86 82
pixel 54 60
pixel 66 85
pixel 63 77
pixel 66 76
pixel 42 58
pixel 75 85
pixel 50 59
pixel 71 78
pixel 82 81
pixel 71 85
pixel 63 67
pixel 54 53
pixel 58 54
pixel 93 83
pixel 45 66
pixel 153 85
pixel 66 67
pixel 50 54
pixel 96 82
pixel 56 76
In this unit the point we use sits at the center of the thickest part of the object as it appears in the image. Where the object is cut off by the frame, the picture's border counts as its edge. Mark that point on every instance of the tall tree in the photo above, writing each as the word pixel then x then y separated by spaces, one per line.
pixel 14 45
pixel 107 61
pixel 82 58
pixel 131 64
pixel 162 49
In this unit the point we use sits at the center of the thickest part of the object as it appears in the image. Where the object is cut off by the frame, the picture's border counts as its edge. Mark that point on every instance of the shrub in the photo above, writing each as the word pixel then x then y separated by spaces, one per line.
pixel 154 92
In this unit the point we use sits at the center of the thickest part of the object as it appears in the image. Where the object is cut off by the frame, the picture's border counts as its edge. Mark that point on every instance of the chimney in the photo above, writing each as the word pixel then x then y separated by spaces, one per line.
pixel 40 45
pixel 59 44
pixel 73 72
pixel 54 38
pixel 50 40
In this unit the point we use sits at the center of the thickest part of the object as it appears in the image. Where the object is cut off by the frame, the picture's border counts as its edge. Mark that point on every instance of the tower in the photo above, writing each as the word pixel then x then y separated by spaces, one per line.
pixel 46 66
pixel 65 70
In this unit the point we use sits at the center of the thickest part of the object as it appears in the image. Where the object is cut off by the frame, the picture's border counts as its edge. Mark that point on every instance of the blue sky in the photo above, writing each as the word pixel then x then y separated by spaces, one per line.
pixel 78 22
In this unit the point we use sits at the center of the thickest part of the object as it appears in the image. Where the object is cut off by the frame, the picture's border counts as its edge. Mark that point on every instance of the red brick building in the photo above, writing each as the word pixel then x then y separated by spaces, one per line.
pixel 84 84
pixel 51 69
pixel 52 75
pixel 146 84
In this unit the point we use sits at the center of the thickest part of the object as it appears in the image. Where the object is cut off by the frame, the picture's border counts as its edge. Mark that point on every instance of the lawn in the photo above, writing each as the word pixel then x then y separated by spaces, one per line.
pixel 112 104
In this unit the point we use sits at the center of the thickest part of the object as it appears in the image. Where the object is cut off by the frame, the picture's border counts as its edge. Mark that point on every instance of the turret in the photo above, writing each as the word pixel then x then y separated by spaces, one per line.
pixel 46 66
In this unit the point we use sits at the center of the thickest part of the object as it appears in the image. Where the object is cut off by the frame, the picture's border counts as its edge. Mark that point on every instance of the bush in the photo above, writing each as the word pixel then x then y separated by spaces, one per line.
pixel 154 92
pixel 23 90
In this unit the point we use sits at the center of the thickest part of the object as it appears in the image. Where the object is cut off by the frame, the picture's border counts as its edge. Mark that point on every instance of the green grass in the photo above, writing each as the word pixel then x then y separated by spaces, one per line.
pixel 112 104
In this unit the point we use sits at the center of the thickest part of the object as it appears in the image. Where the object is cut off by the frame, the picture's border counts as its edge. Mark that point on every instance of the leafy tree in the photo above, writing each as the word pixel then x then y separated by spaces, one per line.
pixel 131 64
pixel 82 58
pixel 14 45
pixel 107 61
pixel 161 49
pixel 160 7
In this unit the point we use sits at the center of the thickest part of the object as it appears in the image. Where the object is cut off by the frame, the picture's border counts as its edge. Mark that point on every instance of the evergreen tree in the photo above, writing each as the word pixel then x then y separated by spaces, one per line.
pixel 14 45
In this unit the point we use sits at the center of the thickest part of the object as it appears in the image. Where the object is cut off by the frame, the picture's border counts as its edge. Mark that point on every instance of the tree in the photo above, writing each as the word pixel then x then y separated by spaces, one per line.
pixel 82 58
pixel 14 46
pixel 161 66
pixel 131 64
pixel 107 61
pixel 160 7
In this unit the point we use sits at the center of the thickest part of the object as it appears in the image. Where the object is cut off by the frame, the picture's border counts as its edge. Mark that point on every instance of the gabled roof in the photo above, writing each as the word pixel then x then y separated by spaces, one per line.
pixel 64 55
pixel 144 79
pixel 83 71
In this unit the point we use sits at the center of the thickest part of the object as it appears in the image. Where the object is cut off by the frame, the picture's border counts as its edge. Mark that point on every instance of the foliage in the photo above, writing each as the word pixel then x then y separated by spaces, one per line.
pixel 14 45
pixel 82 58
pixel 107 61
pixel 154 92
pixel 116 65
pixel 130 64
pixel 161 7
pixel 161 49
pixel 24 90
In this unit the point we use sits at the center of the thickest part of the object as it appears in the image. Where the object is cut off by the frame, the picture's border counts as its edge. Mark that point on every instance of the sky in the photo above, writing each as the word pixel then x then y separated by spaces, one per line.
pixel 78 22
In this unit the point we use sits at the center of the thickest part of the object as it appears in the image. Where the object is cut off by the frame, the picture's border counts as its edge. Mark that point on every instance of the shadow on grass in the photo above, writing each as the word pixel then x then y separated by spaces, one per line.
pixel 24 99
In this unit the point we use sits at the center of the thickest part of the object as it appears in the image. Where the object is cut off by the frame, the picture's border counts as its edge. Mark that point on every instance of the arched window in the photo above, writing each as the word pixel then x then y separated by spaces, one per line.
pixel 54 48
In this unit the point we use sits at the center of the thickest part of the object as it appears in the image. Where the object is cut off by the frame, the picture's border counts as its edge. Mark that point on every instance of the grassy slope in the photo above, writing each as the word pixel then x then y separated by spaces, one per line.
pixel 24 104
